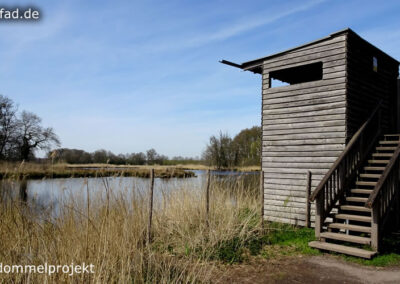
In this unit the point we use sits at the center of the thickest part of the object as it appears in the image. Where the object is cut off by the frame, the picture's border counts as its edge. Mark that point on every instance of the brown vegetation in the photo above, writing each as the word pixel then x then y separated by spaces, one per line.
pixel 38 171
pixel 109 232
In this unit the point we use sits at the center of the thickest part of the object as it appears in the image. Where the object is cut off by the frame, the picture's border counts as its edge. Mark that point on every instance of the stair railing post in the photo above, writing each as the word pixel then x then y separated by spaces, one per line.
pixel 319 214
pixel 375 227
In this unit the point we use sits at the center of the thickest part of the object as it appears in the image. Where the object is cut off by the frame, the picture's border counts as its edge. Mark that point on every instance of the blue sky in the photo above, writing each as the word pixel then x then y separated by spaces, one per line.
pixel 127 76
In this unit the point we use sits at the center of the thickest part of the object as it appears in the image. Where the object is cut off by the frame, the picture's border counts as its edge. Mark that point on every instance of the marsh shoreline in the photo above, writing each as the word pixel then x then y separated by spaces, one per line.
pixel 48 171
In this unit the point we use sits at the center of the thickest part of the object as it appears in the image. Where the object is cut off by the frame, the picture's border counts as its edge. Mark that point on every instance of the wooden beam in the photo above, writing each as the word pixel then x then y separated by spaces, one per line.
pixel 208 199
pixel 151 194
pixel 262 197
pixel 308 192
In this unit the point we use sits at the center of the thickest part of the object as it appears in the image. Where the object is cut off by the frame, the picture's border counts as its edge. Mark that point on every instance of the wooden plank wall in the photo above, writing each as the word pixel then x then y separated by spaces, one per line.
pixel 398 106
pixel 304 128
pixel 366 87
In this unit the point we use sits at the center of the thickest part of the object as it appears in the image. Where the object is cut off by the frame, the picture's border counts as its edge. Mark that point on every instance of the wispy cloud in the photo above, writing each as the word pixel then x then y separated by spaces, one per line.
pixel 145 74
pixel 232 29
pixel 18 37
pixel 250 23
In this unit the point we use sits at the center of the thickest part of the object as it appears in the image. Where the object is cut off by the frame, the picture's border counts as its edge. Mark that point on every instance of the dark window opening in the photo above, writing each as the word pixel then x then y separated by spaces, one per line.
pixel 375 64
pixel 296 75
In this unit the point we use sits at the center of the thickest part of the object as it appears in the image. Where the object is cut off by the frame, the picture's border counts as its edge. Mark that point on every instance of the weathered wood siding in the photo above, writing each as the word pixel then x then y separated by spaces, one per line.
pixel 365 87
pixel 304 127
pixel 398 106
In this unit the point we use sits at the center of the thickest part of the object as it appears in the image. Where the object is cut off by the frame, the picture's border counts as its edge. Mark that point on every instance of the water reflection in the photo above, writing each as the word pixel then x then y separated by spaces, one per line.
pixel 48 195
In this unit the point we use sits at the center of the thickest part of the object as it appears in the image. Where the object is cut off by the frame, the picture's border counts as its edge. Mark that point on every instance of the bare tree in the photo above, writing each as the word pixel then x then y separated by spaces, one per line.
pixel 32 136
pixel 220 151
pixel 100 156
pixel 7 125
pixel 137 158
pixel 151 156
pixel 225 152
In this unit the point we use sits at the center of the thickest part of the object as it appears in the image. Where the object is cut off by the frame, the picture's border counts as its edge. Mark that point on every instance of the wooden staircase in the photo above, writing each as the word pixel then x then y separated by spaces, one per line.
pixel 350 225
pixel 359 193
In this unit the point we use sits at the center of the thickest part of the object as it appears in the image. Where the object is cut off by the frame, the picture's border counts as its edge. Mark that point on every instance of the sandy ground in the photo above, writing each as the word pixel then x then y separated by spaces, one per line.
pixel 316 269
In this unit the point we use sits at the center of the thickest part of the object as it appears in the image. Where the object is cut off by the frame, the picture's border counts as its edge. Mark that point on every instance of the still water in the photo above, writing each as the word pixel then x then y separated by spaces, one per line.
pixel 50 194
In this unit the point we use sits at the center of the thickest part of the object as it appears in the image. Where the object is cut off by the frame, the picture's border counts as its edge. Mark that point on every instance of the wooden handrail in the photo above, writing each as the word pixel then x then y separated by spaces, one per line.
pixel 377 189
pixel 345 152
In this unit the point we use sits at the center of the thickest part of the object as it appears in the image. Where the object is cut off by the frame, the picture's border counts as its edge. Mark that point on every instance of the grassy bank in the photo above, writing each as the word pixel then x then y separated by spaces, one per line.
pixel 110 232
pixel 197 166
pixel 39 171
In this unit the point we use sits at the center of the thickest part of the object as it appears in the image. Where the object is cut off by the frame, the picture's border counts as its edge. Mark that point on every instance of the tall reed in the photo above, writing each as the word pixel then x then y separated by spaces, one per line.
pixel 109 231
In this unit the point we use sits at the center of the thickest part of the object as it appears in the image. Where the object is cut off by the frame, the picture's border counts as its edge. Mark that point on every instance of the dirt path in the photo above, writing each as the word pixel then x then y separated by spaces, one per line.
pixel 316 269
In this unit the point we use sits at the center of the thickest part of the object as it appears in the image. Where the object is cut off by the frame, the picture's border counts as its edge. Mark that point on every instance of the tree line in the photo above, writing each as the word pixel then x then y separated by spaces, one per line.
pixel 222 151
pixel 22 133
pixel 76 156
pixel 244 149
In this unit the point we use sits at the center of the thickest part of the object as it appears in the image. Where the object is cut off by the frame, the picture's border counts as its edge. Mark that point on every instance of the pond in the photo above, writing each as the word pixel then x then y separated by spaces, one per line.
pixel 50 194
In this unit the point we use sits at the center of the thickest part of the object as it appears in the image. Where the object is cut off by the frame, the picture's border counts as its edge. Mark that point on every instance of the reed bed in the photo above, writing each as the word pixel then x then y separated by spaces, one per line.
pixel 109 231
pixel 48 170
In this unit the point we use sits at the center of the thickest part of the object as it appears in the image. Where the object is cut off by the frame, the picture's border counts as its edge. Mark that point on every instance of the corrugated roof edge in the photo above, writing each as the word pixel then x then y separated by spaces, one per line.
pixel 254 64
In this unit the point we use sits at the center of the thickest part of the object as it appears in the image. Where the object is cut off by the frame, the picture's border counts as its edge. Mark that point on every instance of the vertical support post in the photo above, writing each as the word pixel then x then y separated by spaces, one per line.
pixel 380 130
pixel 150 206
pixel 262 198
pixel 398 106
pixel 375 227
pixel 208 199
pixel 319 214
pixel 397 212
pixel 396 193
pixel 308 193
pixel 23 191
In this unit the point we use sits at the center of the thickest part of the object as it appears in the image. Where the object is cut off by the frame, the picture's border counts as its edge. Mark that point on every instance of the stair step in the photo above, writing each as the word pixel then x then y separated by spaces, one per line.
pixel 357 199
pixel 361 191
pixel 367 183
pixel 354 228
pixel 353 217
pixel 374 168
pixel 389 142
pixel 378 161
pixel 355 208
pixel 342 249
pixel 346 238
pixel 382 154
pixel 386 148
pixel 370 175
pixel 392 135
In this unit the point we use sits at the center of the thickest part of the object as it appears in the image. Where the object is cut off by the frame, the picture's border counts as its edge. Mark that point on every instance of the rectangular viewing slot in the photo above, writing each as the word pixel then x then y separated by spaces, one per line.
pixel 295 75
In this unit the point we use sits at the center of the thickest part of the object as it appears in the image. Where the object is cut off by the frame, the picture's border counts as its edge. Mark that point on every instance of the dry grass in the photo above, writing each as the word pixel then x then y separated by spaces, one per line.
pixel 163 167
pixel 204 167
pixel 248 169
pixel 109 231
pixel 145 167
pixel 46 170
